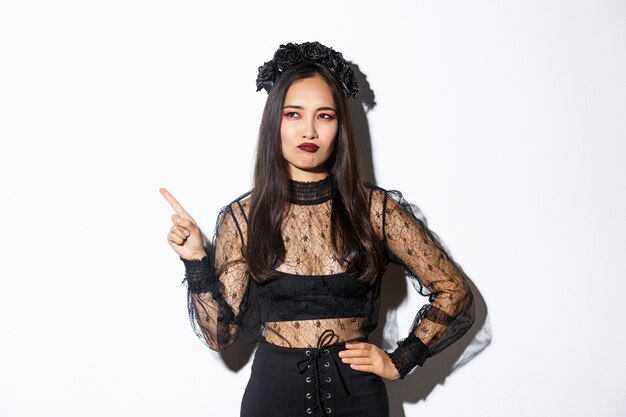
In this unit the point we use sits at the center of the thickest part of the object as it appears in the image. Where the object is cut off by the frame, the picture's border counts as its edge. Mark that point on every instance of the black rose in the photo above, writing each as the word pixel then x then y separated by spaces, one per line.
pixel 350 84
pixel 314 51
pixel 287 56
pixel 267 76
pixel 334 62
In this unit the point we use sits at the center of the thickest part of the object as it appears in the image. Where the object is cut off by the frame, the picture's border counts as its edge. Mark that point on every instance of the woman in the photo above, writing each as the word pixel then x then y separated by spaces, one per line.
pixel 296 263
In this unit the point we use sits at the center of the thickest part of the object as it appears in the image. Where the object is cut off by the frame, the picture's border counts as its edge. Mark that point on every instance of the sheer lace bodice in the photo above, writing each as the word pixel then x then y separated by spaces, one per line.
pixel 313 291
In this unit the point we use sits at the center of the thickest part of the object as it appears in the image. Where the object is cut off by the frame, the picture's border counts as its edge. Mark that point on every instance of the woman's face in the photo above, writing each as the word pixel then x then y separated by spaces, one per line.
pixel 308 128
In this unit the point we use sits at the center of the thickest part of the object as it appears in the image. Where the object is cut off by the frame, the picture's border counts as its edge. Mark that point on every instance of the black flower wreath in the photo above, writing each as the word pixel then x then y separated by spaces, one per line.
pixel 293 54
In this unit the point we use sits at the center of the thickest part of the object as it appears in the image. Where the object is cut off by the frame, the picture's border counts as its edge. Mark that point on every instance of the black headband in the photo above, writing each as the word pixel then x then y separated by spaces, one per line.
pixel 293 54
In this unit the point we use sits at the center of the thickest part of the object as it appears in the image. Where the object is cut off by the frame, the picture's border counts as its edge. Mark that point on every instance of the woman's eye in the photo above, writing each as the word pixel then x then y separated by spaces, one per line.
pixel 326 116
pixel 291 114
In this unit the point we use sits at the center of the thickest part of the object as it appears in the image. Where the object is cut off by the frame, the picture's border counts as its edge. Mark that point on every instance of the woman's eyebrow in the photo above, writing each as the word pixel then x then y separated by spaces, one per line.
pixel 292 106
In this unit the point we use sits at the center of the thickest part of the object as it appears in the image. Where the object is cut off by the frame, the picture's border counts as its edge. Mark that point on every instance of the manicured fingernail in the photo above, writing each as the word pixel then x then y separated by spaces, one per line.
pixel 186 232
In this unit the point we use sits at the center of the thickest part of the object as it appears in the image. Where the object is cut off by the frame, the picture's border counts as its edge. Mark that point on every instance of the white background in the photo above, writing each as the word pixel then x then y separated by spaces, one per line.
pixel 502 121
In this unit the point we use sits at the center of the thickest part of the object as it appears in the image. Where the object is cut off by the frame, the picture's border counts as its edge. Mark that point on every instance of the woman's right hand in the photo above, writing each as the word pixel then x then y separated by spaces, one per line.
pixel 184 236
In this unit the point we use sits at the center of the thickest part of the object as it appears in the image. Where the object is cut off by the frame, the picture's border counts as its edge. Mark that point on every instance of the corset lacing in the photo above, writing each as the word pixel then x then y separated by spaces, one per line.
pixel 322 381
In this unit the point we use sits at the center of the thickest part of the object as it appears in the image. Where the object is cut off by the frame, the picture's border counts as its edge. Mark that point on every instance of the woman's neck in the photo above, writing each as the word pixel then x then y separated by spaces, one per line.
pixel 311 192
pixel 307 175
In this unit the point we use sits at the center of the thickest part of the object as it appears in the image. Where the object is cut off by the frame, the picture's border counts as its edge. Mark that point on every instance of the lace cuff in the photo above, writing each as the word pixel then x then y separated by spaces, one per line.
pixel 409 353
pixel 199 275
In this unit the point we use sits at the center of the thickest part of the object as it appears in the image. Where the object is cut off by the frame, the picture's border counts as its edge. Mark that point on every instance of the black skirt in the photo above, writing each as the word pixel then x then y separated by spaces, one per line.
pixel 293 382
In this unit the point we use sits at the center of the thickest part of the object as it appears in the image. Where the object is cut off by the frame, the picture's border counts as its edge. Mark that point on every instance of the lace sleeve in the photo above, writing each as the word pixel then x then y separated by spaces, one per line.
pixel 450 311
pixel 218 284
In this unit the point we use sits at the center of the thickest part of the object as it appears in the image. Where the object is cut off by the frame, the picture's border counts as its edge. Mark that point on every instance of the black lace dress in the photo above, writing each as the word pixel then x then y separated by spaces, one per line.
pixel 302 318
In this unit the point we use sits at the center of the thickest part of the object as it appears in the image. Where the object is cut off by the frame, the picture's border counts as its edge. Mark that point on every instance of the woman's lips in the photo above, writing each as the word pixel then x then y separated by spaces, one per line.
pixel 309 147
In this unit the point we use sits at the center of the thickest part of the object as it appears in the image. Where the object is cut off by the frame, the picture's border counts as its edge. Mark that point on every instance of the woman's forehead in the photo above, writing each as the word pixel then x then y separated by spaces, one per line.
pixel 311 91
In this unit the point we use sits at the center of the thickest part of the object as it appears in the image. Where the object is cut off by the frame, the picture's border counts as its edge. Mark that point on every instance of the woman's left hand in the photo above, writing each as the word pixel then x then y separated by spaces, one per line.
pixel 367 357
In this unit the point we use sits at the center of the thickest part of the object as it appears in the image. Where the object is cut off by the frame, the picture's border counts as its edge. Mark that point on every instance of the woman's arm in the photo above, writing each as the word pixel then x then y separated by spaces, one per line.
pixel 450 312
pixel 218 285
pixel 217 279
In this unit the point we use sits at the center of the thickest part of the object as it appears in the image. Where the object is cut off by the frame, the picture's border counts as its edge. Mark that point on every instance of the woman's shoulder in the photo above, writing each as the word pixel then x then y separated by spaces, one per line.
pixel 242 200
pixel 386 200
pixel 379 195
pixel 378 190
pixel 236 209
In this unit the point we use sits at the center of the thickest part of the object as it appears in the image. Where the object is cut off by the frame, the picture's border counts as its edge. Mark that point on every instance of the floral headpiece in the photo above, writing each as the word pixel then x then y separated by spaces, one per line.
pixel 293 54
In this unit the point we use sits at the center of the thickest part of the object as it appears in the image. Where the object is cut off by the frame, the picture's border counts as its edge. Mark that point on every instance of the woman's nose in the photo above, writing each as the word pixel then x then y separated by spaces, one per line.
pixel 309 131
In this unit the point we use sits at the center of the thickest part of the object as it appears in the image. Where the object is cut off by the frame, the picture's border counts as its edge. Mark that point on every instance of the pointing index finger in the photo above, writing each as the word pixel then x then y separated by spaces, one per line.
pixel 175 204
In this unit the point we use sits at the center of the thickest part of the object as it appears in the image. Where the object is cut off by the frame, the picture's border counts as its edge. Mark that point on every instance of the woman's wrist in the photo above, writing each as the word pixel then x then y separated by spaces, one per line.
pixel 392 373
pixel 411 352
pixel 197 256
pixel 199 274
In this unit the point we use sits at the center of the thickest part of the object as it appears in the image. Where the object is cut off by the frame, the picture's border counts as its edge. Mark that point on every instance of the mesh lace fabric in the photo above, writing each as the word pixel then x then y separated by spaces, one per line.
pixel 313 292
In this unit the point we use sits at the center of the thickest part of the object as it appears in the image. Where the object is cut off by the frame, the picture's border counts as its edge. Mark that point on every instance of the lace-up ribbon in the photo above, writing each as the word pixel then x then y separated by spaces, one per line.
pixel 314 358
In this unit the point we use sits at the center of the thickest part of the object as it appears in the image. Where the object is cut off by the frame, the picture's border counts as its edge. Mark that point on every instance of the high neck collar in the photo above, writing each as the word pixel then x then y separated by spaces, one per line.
pixel 307 193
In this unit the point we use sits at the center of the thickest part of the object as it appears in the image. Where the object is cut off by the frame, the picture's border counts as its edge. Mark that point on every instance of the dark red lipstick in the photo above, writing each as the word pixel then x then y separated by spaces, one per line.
pixel 308 147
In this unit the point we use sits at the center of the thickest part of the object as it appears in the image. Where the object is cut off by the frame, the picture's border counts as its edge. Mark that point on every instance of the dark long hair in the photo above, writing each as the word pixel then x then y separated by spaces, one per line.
pixel 353 238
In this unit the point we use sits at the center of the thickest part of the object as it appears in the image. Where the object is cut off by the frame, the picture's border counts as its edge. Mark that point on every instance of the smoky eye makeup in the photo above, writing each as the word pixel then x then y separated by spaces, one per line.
pixel 325 113
pixel 290 114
